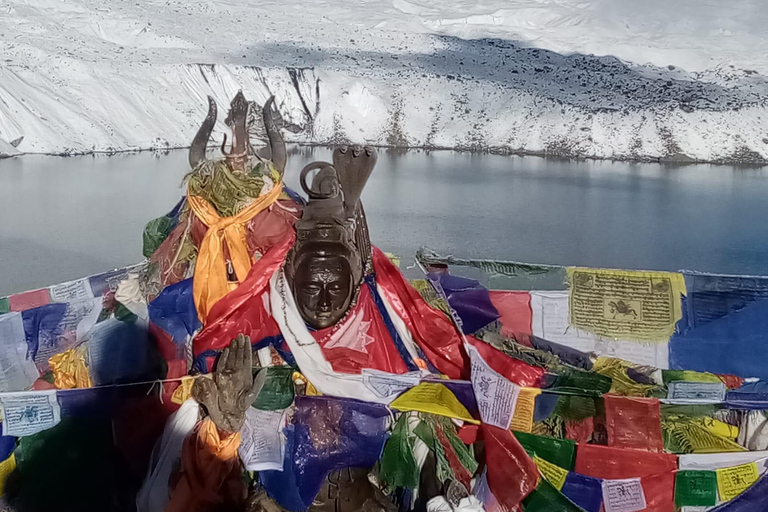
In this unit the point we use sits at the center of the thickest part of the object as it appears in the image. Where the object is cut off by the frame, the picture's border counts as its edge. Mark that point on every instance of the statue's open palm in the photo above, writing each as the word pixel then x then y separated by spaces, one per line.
pixel 231 392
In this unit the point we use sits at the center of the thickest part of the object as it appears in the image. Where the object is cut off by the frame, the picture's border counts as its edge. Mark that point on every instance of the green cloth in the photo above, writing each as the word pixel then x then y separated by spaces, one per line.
pixel 575 408
pixel 277 392
pixel 545 498
pixel 561 452
pixel 696 489
pixel 227 191
pixel 425 431
pixel 688 375
pixel 124 314
pixel 155 233
pixel 5 305
pixel 500 275
pixel 397 466
pixel 586 383
pixel 464 453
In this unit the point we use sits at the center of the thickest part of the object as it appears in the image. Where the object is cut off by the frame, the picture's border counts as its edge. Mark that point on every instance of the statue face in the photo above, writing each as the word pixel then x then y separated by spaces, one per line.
pixel 323 289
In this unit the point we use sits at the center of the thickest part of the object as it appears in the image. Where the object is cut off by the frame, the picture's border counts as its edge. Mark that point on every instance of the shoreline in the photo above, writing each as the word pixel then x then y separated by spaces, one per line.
pixel 679 161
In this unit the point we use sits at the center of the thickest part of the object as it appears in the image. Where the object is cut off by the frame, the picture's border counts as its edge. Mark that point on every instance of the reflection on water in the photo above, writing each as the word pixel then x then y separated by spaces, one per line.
pixel 65 218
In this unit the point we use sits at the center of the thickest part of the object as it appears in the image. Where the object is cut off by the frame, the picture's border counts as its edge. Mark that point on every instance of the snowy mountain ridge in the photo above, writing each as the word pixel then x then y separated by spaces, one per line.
pixel 501 75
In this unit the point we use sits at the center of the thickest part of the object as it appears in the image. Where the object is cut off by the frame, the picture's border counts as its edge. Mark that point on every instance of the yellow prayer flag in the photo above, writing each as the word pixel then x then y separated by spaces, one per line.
pixel 393 258
pixel 6 468
pixel 433 398
pixel 552 472
pixel 625 304
pixel 309 388
pixel 735 480
pixel 522 420
pixel 184 391
pixel 720 428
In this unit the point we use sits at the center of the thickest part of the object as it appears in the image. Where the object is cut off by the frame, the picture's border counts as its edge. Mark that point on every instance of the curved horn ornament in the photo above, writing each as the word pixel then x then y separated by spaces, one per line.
pixel 277 149
pixel 200 142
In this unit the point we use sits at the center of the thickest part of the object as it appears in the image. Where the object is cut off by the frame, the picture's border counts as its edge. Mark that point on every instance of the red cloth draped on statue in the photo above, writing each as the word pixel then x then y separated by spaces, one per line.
pixel 246 310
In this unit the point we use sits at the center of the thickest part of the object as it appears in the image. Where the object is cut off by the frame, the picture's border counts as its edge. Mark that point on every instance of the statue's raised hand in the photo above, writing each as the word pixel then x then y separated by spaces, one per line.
pixel 231 392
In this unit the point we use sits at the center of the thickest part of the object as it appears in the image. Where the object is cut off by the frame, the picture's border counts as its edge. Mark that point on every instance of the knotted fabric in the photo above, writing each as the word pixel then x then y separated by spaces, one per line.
pixel 211 281
pixel 70 370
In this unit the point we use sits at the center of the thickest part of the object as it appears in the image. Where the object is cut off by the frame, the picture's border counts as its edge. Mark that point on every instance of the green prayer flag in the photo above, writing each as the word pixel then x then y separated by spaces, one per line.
pixel 155 233
pixel 561 452
pixel 588 383
pixel 277 391
pixel 464 453
pixel 426 432
pixel 124 314
pixel 575 408
pixel 5 305
pixel 397 466
pixel 545 498
pixel 688 375
pixel 696 489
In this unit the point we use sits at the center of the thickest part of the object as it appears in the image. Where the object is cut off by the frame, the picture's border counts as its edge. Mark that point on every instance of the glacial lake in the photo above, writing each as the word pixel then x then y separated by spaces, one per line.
pixel 69 217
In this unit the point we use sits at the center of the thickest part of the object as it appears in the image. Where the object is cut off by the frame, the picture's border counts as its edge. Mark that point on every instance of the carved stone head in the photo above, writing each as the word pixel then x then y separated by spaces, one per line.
pixel 332 251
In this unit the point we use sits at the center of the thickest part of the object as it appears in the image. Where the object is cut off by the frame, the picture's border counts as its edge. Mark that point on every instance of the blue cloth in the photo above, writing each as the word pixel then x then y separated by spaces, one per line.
pixel 710 297
pixel 42 325
pixel 174 311
pixel 544 406
pixel 108 281
pixel 278 342
pixel 463 391
pixel 281 485
pixel 568 355
pixel 753 499
pixel 329 433
pixel 753 395
pixel 7 444
pixel 294 195
pixel 370 281
pixel 175 213
pixel 585 491
pixel 119 352
pixel 469 299
pixel 733 344
pixel 99 402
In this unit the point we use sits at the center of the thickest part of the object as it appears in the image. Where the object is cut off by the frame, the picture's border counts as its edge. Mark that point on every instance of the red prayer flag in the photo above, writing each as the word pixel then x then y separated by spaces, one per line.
pixel 514 370
pixel 29 300
pixel 655 470
pixel 512 474
pixel 633 423
pixel 515 311
pixel 242 311
pixel 431 329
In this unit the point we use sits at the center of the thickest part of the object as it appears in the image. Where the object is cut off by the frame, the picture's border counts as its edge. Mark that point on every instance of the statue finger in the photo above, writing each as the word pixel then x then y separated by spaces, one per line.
pixel 239 352
pixel 247 353
pixel 223 360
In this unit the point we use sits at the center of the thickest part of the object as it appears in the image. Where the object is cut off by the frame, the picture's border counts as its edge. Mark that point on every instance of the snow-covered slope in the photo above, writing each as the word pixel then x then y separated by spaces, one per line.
pixel 679 79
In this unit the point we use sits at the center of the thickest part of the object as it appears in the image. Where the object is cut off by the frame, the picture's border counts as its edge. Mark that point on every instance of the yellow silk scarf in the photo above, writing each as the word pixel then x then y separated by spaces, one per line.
pixel 210 280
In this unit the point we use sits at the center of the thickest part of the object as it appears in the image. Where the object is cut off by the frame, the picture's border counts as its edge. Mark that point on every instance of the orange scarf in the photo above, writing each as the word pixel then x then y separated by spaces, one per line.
pixel 210 280
pixel 210 471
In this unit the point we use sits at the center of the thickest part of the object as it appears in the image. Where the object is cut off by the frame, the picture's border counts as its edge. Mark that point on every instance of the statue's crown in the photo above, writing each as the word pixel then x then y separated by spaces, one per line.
pixel 333 219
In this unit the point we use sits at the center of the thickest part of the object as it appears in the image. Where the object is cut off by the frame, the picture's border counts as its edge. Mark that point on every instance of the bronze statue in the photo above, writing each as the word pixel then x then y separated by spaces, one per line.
pixel 332 251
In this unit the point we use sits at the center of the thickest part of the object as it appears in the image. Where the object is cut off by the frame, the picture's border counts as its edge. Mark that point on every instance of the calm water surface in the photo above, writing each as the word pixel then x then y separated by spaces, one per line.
pixel 64 218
